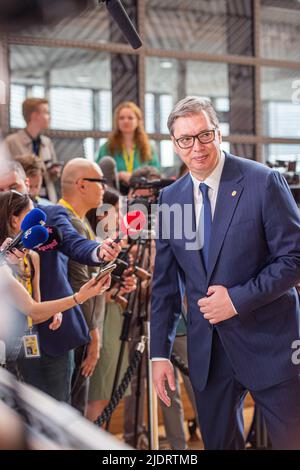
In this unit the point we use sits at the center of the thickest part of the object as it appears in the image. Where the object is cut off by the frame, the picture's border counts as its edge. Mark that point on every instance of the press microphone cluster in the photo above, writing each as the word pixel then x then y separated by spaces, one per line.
pixel 35 219
pixel 53 242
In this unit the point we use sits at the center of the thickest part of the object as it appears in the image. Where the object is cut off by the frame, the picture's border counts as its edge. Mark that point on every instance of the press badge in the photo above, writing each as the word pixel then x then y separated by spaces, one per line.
pixel 31 346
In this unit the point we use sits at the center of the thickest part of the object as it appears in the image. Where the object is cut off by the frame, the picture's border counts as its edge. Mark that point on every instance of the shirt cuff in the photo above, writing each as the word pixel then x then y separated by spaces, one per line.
pixel 233 307
pixel 95 256
pixel 154 359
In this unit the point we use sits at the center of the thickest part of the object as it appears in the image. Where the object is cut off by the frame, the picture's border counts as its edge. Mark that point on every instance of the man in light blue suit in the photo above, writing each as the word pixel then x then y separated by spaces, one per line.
pixel 239 277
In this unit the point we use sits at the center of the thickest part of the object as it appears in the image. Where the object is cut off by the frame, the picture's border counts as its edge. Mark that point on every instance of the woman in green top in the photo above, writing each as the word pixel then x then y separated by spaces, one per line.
pixel 128 142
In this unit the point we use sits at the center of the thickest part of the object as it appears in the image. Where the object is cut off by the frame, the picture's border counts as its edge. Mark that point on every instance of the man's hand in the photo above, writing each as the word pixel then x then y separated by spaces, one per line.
pixel 93 354
pixel 217 306
pixel 162 371
pixel 109 250
pixel 129 282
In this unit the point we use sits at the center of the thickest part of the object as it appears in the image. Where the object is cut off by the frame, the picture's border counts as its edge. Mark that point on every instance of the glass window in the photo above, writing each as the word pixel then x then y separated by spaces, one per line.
pixel 229 87
pixel 165 107
pixel 149 112
pixel 71 109
pixel 167 155
pixel 280 32
pixel 78 83
pixel 281 110
pixel 214 27
pixel 17 96
pixel 284 156
pixel 93 24
pixel 161 92
pixel 89 148
pixel 105 110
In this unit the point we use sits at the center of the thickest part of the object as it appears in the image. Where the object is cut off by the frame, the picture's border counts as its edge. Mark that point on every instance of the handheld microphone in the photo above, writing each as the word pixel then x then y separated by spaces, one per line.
pixel 33 237
pixel 55 238
pixel 131 224
pixel 117 11
pixel 34 217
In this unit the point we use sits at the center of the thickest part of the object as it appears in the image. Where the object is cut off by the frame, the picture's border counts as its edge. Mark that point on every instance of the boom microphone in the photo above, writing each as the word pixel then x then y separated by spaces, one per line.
pixel 117 11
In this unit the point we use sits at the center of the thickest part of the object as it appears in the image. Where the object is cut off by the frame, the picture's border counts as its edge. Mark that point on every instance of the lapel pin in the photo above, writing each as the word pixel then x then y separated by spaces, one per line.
pixel 233 193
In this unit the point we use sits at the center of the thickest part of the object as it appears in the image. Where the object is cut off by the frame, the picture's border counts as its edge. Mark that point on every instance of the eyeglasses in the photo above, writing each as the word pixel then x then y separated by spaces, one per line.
pixel 205 137
pixel 103 181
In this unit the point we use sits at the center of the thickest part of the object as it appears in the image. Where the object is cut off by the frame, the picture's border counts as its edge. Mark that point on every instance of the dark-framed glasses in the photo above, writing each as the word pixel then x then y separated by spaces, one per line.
pixel 188 141
pixel 103 181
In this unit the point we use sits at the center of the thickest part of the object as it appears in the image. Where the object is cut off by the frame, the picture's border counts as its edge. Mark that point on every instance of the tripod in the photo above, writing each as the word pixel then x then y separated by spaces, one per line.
pixel 136 303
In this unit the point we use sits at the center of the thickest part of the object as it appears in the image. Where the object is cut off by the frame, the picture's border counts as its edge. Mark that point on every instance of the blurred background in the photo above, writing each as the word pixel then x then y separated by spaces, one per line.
pixel 243 55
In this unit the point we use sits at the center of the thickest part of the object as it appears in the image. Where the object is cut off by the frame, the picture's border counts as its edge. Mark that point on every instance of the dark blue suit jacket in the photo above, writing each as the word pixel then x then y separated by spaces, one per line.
pixel 54 284
pixel 255 253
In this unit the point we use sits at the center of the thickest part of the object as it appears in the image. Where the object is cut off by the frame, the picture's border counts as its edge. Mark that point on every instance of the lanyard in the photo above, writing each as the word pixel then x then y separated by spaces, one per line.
pixel 66 204
pixel 25 280
pixel 129 159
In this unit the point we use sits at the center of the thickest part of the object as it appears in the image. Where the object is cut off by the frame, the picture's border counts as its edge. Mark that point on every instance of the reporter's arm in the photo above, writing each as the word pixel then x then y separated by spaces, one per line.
pixel 41 312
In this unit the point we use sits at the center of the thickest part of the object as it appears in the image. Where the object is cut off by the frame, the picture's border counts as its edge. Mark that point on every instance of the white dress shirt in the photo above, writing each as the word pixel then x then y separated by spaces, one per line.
pixel 213 182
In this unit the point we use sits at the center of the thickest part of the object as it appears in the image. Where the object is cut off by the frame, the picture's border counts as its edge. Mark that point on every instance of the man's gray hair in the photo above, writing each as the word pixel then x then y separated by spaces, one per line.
pixel 13 167
pixel 192 105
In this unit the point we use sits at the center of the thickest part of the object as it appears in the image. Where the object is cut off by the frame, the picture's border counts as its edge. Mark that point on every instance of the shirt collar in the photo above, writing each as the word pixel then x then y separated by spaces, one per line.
pixel 213 180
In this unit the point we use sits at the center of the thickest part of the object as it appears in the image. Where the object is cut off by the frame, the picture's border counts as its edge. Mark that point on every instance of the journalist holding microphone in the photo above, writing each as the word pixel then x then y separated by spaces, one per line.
pixel 52 371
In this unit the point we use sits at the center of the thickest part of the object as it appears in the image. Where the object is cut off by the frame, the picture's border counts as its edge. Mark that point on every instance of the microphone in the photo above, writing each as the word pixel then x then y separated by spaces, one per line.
pixel 55 238
pixel 132 224
pixel 120 16
pixel 33 237
pixel 34 217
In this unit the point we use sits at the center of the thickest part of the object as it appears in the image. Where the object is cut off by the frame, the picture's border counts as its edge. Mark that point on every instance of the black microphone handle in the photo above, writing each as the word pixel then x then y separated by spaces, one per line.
pixel 13 244
pixel 120 16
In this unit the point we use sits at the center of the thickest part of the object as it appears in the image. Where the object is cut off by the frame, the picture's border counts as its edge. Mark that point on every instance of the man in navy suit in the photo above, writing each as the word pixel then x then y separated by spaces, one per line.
pixel 52 372
pixel 238 274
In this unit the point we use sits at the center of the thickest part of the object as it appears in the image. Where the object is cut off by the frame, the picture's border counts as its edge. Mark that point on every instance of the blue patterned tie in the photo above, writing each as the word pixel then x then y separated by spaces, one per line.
pixel 207 221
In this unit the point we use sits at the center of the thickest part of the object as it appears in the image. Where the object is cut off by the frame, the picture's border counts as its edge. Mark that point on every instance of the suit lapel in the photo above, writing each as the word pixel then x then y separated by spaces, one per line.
pixel 229 193
pixel 188 222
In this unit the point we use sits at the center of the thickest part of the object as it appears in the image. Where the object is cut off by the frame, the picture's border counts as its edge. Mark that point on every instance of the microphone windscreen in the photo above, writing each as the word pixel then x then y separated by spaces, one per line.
pixel 54 240
pixel 35 236
pixel 35 217
pixel 120 16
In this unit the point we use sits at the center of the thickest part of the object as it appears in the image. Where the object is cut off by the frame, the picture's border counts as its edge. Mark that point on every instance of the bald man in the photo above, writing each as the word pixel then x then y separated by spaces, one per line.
pixel 82 187
pixel 52 372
